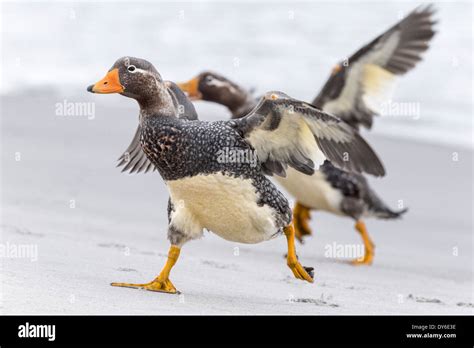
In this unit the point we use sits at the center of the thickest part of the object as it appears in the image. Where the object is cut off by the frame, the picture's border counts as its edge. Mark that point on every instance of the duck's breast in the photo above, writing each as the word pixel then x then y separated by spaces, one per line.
pixel 313 191
pixel 223 204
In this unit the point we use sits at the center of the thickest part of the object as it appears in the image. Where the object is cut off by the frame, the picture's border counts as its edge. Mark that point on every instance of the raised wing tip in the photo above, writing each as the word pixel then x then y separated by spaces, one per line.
pixel 378 170
pixel 429 8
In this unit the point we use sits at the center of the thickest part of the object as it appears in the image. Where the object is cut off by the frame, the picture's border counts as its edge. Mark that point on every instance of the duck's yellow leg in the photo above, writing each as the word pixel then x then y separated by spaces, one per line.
pixel 368 245
pixel 300 272
pixel 301 216
pixel 161 283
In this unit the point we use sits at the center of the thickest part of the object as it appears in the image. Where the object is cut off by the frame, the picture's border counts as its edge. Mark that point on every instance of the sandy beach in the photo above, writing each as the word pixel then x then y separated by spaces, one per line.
pixel 86 225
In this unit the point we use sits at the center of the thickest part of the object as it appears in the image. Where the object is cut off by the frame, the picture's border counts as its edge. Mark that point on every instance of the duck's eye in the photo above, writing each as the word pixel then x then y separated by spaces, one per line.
pixel 131 68
pixel 209 79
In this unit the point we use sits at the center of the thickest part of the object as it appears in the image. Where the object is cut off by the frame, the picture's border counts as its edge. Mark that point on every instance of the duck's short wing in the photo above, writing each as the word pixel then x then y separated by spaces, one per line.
pixel 355 92
pixel 288 132
pixel 134 159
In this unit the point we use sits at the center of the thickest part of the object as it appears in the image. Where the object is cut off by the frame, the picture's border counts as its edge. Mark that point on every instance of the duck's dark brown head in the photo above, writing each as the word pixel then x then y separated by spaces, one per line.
pixel 135 78
pixel 132 77
pixel 215 88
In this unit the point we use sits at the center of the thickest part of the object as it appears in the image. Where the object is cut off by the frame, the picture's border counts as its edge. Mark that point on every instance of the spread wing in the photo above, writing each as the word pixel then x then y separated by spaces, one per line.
pixel 134 159
pixel 288 132
pixel 356 90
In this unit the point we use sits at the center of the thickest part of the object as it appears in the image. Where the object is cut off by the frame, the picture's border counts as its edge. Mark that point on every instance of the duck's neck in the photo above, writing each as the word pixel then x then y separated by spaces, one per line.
pixel 159 103
pixel 238 100
pixel 245 104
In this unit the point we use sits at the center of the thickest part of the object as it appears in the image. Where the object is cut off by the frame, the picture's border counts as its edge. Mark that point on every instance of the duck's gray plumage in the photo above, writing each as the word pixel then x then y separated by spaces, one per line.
pixel 358 197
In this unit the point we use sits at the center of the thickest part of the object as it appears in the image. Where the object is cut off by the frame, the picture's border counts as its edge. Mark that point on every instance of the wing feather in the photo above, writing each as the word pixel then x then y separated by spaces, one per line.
pixel 288 132
pixel 356 92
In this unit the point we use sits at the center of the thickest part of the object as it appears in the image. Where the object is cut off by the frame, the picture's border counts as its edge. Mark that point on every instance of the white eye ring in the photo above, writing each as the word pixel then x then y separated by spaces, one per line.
pixel 132 68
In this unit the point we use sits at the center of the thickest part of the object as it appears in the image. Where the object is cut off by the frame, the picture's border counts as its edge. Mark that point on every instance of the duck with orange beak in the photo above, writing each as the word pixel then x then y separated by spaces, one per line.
pixel 231 198
pixel 353 91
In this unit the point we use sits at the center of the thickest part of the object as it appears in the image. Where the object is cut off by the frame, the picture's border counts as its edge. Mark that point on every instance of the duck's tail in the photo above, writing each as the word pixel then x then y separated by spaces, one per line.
pixel 387 213
pixel 380 210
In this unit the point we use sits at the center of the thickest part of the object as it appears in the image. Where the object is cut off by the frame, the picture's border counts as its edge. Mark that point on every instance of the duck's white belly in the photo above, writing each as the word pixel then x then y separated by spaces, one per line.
pixel 222 204
pixel 313 191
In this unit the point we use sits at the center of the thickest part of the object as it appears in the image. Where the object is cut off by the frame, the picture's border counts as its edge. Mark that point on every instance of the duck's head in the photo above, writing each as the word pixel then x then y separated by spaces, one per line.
pixel 215 88
pixel 132 77
pixel 138 79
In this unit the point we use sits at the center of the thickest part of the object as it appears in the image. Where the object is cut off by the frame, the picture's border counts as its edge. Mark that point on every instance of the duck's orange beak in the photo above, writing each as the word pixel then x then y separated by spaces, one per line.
pixel 191 88
pixel 109 84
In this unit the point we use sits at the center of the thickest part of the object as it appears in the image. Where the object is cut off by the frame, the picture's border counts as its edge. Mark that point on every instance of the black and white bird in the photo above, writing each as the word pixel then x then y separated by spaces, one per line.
pixel 227 194
pixel 353 92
